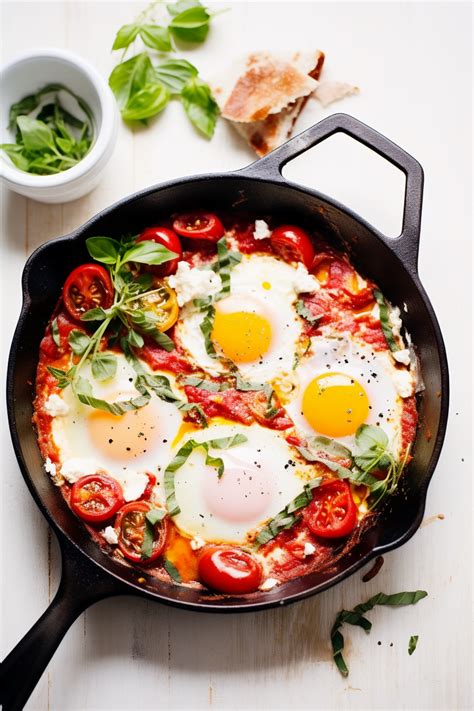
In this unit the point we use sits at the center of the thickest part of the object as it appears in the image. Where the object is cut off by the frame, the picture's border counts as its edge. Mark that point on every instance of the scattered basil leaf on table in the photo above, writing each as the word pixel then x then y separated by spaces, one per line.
pixel 412 642
pixel 200 106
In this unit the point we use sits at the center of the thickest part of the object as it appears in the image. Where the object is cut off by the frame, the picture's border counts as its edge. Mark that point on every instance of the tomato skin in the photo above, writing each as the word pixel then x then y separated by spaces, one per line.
pixel 199 225
pixel 229 570
pixel 170 240
pixel 332 513
pixel 149 487
pixel 88 286
pixel 293 245
pixel 162 302
pixel 130 522
pixel 96 498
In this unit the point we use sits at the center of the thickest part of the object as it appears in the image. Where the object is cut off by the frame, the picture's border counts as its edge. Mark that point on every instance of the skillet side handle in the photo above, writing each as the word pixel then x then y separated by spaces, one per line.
pixel 406 244
pixel 81 585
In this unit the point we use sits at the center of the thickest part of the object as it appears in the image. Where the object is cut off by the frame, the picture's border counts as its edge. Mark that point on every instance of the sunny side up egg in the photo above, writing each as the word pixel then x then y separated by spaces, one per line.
pixel 260 477
pixel 256 326
pixel 343 384
pixel 126 446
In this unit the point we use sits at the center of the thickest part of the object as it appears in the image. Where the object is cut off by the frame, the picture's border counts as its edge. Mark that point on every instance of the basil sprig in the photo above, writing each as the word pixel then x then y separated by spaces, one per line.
pixel 54 139
pixel 117 256
pixel 356 617
pixel 181 457
pixel 151 519
pixel 142 88
pixel 412 642
pixel 287 517
pixel 385 321
pixel 373 455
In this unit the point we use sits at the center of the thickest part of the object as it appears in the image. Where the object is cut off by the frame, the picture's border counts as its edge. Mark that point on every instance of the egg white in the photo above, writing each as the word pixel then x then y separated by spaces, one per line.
pixel 261 476
pixel 75 433
pixel 262 285
pixel 374 370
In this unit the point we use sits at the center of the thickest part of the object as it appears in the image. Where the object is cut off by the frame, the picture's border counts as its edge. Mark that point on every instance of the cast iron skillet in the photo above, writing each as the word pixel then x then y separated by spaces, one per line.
pixel 88 575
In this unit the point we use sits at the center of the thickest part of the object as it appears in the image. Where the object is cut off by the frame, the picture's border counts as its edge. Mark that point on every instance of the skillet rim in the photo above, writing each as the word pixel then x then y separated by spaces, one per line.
pixel 274 599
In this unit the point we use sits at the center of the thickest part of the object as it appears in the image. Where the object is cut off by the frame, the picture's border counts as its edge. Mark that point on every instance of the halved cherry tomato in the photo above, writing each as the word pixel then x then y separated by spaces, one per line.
pixel 87 287
pixel 199 225
pixel 96 497
pixel 161 302
pixel 131 523
pixel 332 513
pixel 293 244
pixel 229 570
pixel 170 240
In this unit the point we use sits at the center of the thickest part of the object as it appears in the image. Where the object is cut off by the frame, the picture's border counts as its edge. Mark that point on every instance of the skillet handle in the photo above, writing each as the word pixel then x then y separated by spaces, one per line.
pixel 406 244
pixel 82 584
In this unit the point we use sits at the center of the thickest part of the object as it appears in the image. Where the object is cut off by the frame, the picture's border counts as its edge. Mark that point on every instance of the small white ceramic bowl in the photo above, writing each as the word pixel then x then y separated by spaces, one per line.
pixel 26 75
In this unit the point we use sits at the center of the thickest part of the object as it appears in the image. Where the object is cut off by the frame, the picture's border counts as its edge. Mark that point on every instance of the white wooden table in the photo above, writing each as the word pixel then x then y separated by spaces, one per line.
pixel 413 66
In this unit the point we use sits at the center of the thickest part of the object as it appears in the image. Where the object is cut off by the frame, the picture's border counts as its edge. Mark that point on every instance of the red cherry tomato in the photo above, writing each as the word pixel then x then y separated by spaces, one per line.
pixel 96 497
pixel 293 245
pixel 199 225
pixel 131 523
pixel 229 570
pixel 149 487
pixel 170 240
pixel 332 513
pixel 87 287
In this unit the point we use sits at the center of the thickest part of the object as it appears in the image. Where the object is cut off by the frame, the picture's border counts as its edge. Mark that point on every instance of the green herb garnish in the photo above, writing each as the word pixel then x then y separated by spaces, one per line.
pixel 412 642
pixel 143 88
pixel 54 139
pixel 55 332
pixel 303 311
pixel 182 455
pixel 287 517
pixel 385 321
pixel 356 617
pixel 172 570
pixel 151 519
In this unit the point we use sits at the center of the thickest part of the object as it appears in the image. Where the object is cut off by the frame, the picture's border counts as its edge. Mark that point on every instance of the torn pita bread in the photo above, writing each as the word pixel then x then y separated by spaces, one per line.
pixel 329 91
pixel 264 94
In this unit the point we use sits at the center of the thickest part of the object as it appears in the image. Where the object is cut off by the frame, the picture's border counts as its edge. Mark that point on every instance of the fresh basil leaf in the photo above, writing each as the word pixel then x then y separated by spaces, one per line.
pixel 146 102
pixel 79 341
pixel 385 321
pixel 156 37
pixel 200 106
pixel 63 378
pixel 151 519
pixel 226 261
pixel 83 390
pixel 246 386
pixel 287 518
pixel 126 35
pixel 206 327
pixel 65 145
pixel 203 384
pixel 331 447
pixel 129 77
pixel 227 442
pixel 36 135
pixel 155 515
pixel 172 570
pixel 370 436
pixel 103 249
pixel 303 311
pixel 355 617
pixel 174 73
pixel 21 108
pixel 17 155
pixel 97 314
pixel 412 642
pixel 104 366
pixel 191 25
pixel 177 7
pixel 135 339
pixel 148 252
pixel 55 332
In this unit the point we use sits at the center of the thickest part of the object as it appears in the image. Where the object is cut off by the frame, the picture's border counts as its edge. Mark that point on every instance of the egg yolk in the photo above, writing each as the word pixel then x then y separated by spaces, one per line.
pixel 335 404
pixel 124 437
pixel 242 336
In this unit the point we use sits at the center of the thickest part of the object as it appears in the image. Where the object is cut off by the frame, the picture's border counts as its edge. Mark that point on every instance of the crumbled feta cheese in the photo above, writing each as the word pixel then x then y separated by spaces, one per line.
pixel 262 230
pixel 304 281
pixel 72 469
pixel 268 584
pixel 403 382
pixel 192 283
pixel 375 313
pixel 196 543
pixel 133 483
pixel 55 406
pixel 395 321
pixel 110 535
pixel 309 549
pixel 50 467
pixel 402 356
